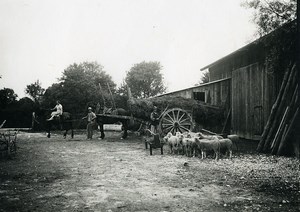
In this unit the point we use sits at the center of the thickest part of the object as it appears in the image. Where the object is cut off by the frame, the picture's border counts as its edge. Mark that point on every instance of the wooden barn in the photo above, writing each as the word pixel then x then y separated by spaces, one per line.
pixel 246 84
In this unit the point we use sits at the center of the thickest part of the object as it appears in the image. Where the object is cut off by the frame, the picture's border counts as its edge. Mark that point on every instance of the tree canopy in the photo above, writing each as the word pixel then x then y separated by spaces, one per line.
pixel 35 91
pixel 270 14
pixel 7 96
pixel 78 86
pixel 145 80
pixel 204 78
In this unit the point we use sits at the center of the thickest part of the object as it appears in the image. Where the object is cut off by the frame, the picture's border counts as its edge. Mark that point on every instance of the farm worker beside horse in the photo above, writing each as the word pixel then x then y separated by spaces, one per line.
pixel 59 111
pixel 91 119
pixel 154 116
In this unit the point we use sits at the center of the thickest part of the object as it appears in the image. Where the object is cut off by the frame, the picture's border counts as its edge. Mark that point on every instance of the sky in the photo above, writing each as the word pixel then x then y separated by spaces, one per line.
pixel 41 38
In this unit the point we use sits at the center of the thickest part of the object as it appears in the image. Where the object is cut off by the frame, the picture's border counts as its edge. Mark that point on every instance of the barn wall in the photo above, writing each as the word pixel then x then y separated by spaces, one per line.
pixel 216 93
pixel 243 57
pixel 252 98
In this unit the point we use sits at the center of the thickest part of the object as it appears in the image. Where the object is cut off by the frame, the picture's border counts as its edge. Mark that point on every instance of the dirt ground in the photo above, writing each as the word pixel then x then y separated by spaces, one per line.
pixel 119 175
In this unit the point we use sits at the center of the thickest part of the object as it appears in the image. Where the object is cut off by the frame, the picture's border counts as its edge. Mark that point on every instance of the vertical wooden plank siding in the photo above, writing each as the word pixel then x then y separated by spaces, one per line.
pixel 251 99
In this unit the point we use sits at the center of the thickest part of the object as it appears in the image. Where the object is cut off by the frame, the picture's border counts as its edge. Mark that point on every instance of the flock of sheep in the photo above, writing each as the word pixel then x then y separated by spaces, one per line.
pixel 191 144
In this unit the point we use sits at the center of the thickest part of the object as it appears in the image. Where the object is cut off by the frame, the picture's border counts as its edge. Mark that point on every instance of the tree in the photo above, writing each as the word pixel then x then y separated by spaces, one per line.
pixel 52 93
pixel 35 91
pixel 280 45
pixel 78 86
pixel 7 97
pixel 204 78
pixel 145 80
pixel 271 14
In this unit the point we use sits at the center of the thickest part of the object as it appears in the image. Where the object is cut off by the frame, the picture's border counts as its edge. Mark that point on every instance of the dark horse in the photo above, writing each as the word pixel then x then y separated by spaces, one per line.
pixel 63 122
pixel 106 119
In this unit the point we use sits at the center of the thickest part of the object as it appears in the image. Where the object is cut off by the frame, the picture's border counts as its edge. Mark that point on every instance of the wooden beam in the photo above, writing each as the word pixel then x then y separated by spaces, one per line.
pixel 274 110
pixel 291 81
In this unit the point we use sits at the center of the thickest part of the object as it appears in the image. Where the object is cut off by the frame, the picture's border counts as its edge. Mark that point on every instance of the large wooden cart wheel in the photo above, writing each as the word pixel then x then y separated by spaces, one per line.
pixel 176 120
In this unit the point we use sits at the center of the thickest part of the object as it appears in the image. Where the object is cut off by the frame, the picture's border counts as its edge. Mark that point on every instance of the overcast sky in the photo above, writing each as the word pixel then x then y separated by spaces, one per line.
pixel 40 38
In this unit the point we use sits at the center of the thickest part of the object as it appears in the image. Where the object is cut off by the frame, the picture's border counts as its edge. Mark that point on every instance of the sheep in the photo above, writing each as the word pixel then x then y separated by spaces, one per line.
pixel 209 137
pixel 226 144
pixel 173 142
pixel 234 138
pixel 208 144
pixel 188 145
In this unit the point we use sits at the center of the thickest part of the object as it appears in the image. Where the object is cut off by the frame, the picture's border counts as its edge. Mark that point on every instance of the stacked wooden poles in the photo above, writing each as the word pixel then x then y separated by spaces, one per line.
pixel 284 111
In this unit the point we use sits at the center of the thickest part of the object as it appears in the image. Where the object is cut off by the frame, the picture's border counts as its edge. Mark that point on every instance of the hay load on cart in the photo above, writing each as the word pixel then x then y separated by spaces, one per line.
pixel 178 113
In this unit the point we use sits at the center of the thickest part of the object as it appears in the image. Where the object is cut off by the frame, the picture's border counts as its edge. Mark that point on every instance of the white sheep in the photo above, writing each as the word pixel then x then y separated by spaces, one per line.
pixel 188 145
pixel 205 145
pixel 209 137
pixel 173 142
pixel 226 144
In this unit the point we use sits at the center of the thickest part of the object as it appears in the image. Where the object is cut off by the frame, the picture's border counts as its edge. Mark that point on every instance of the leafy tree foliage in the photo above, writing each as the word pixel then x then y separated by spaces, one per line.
pixel 79 87
pixel 35 91
pixel 7 97
pixel 52 93
pixel 204 78
pixel 145 80
pixel 280 45
pixel 17 113
pixel 271 14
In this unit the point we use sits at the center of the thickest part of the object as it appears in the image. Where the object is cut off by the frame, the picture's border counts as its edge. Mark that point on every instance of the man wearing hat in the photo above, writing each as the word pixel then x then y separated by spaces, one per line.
pixel 154 116
pixel 91 119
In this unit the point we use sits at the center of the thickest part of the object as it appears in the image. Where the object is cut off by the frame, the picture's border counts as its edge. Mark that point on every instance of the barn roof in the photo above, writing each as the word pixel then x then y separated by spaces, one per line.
pixel 246 47
pixel 196 86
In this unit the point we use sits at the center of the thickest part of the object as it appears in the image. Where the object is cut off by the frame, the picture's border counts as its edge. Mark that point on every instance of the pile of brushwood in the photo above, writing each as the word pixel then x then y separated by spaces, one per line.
pixel 204 115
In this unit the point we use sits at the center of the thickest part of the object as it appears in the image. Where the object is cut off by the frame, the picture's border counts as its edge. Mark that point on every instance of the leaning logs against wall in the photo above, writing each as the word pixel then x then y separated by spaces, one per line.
pixel 277 132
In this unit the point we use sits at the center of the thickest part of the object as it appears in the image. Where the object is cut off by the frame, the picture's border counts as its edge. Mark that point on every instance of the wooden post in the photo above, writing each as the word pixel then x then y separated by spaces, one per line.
pixel 101 93
pixel 287 134
pixel 226 121
pixel 111 96
pixel 32 120
pixel 279 132
pixel 290 82
pixel 2 123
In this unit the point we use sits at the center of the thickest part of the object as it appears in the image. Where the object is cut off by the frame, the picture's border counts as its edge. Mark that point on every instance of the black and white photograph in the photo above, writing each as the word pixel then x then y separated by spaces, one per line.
pixel 149 105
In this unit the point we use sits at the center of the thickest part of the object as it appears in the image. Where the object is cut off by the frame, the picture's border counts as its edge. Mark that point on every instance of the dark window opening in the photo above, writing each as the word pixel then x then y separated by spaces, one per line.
pixel 200 96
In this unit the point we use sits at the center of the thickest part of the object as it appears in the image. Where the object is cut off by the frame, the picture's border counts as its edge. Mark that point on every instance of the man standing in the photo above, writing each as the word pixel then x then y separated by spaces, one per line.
pixel 154 116
pixel 59 111
pixel 91 119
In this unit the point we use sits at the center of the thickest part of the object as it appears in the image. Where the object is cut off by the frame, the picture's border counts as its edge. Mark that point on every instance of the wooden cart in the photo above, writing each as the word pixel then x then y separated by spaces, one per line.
pixel 172 120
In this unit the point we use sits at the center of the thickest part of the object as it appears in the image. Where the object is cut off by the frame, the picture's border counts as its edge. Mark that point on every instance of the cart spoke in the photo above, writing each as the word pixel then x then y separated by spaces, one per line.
pixel 166 119
pixel 174 117
pixel 184 120
pixel 181 117
pixel 186 129
pixel 167 124
pixel 177 118
pixel 186 123
pixel 172 131
pixel 170 117
pixel 168 128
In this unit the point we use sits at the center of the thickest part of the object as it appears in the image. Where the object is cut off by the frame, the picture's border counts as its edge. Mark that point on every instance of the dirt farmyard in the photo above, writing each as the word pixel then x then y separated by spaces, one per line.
pixel 119 175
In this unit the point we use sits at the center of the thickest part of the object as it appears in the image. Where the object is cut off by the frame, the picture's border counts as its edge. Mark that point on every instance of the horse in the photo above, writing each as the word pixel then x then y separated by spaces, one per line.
pixel 101 120
pixel 64 121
